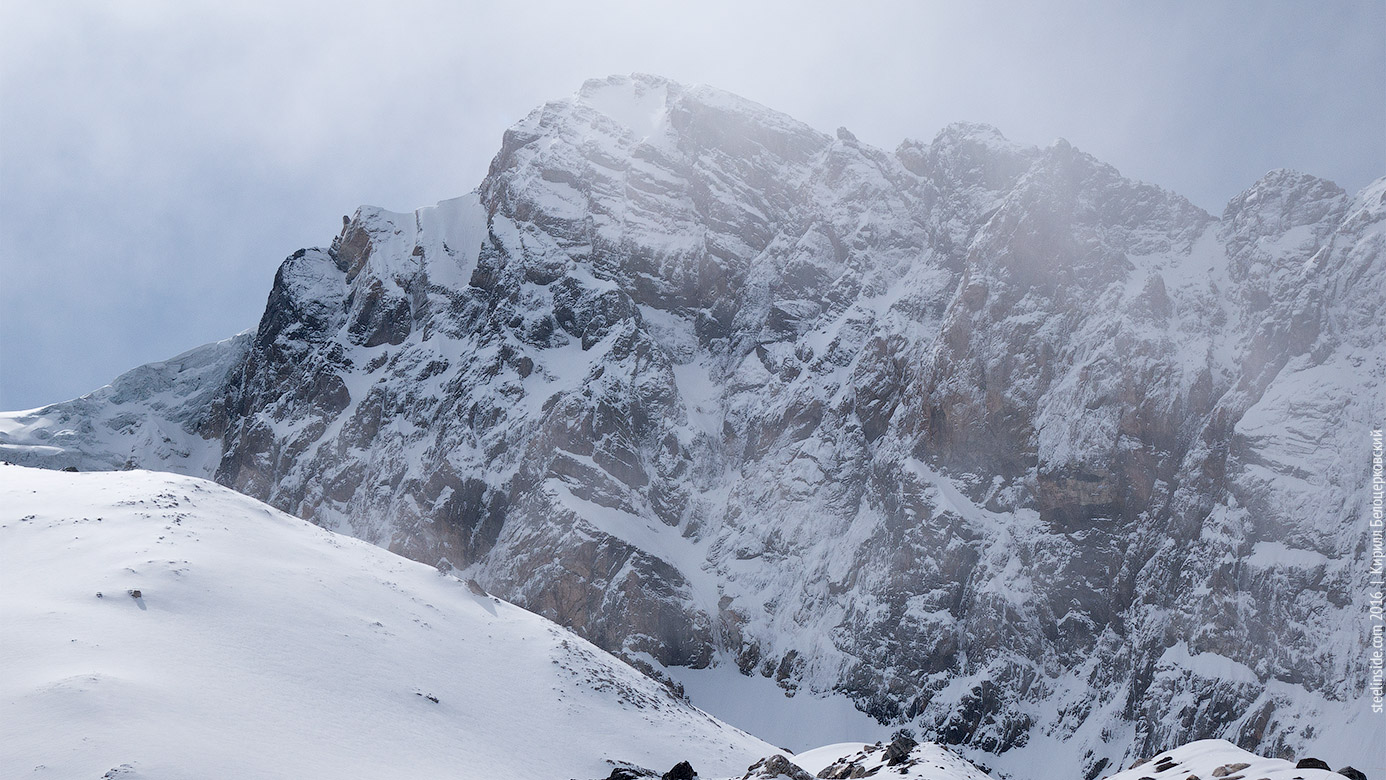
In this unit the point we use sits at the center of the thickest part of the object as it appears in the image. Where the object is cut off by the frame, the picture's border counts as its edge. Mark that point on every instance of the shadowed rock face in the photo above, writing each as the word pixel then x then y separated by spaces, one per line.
pixel 985 436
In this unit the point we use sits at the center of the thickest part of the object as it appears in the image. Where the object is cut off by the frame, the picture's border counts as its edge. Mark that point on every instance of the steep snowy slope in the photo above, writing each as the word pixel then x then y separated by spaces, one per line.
pixel 261 646
pixel 1047 462
pixel 147 417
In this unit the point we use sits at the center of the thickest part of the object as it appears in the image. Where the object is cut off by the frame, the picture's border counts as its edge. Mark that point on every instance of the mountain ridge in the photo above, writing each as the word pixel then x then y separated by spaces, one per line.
pixel 719 388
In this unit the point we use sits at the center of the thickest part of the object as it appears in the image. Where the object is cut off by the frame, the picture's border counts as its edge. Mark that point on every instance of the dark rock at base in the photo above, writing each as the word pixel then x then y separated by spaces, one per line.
pixel 625 771
pixel 681 771
pixel 1353 774
pixel 1312 763
pixel 899 749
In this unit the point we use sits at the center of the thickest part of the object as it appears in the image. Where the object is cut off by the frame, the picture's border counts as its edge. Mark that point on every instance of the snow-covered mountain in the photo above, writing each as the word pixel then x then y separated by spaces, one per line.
pixel 1047 462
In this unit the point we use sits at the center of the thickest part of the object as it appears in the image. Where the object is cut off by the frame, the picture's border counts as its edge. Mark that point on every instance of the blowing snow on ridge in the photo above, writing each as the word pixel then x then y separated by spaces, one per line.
pixel 977 438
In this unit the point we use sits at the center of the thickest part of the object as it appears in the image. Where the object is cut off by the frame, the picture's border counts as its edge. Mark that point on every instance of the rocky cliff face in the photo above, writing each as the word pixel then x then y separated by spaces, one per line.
pixel 984 436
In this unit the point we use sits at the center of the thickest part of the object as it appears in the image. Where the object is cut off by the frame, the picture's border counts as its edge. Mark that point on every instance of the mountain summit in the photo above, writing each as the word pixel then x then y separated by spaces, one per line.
pixel 1050 463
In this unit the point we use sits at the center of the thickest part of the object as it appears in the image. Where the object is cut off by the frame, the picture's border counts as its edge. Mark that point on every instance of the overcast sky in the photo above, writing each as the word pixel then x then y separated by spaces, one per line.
pixel 158 160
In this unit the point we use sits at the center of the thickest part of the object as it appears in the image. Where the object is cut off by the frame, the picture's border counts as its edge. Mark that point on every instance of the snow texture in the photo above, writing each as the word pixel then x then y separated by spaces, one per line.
pixel 260 646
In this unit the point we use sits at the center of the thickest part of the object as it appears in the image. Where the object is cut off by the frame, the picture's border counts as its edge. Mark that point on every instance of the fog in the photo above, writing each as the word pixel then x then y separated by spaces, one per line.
pixel 158 160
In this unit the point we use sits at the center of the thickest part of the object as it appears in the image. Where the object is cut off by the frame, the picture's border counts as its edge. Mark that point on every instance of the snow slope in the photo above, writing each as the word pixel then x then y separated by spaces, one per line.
pixel 758 705
pixel 145 417
pixel 1219 758
pixel 263 646
pixel 926 761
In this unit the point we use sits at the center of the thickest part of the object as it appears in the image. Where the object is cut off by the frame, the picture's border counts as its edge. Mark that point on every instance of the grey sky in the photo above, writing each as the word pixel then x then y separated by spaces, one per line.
pixel 158 160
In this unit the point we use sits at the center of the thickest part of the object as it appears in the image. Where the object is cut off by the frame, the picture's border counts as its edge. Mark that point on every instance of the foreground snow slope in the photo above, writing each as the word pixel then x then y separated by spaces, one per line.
pixel 263 646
